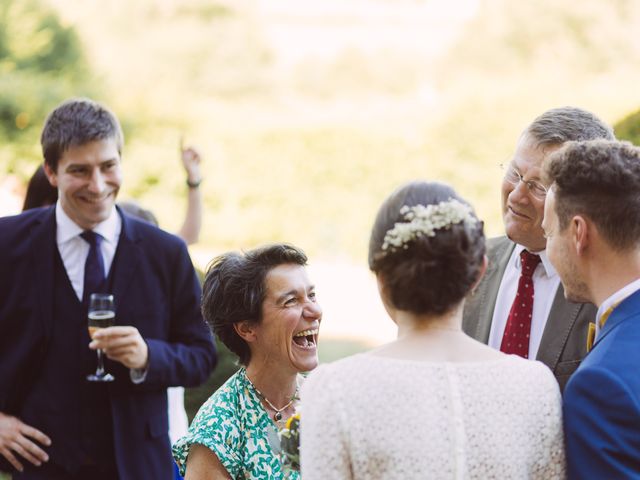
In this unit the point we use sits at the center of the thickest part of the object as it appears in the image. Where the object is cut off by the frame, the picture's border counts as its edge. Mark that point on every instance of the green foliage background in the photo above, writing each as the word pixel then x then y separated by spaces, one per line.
pixel 304 150
pixel 629 128
pixel 42 62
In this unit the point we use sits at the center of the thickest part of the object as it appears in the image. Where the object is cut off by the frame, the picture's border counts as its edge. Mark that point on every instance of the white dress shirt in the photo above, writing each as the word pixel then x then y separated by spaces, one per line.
pixel 613 301
pixel 74 250
pixel 545 286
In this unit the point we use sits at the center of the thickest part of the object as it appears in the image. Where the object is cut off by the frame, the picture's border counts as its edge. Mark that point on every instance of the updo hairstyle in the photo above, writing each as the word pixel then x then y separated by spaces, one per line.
pixel 427 275
pixel 234 289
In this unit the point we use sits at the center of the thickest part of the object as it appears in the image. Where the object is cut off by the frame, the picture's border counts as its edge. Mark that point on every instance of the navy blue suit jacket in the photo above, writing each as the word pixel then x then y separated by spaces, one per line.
pixel 602 401
pixel 156 290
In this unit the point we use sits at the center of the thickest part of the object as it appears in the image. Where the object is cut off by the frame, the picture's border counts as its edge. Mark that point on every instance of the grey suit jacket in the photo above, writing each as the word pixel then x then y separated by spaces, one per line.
pixel 564 340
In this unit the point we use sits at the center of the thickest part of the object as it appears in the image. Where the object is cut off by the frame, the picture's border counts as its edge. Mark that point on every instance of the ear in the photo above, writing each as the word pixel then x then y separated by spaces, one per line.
pixel 51 175
pixel 580 234
pixel 246 330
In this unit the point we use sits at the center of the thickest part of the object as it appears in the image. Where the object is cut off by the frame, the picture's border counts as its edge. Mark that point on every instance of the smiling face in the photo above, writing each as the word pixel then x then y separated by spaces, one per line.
pixel 522 213
pixel 88 179
pixel 288 331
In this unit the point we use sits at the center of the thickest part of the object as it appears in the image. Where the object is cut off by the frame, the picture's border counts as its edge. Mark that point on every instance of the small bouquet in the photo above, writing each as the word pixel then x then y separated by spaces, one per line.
pixel 290 444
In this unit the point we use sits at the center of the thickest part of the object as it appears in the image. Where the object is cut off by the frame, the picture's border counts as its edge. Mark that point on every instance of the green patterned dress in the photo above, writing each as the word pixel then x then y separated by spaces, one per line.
pixel 234 425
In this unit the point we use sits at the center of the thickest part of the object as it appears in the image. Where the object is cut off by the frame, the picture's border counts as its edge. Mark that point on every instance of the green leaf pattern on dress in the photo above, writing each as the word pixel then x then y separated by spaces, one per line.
pixel 234 425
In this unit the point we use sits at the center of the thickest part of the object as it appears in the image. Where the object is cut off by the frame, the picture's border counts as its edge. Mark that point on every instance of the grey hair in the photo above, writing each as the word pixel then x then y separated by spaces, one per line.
pixel 560 125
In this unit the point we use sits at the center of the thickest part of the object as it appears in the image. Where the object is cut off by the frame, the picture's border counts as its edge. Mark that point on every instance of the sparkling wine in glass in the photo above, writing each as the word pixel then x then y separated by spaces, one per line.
pixel 102 314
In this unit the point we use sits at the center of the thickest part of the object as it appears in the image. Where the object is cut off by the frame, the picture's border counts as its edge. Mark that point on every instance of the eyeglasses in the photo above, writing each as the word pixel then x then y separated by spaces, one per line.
pixel 514 177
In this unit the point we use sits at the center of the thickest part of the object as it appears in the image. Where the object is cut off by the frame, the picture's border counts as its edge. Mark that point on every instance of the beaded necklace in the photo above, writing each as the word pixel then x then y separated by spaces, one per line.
pixel 277 416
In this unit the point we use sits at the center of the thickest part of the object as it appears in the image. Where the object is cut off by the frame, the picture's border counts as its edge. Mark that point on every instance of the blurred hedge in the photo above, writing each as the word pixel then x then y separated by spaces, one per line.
pixel 42 62
pixel 629 128
pixel 227 366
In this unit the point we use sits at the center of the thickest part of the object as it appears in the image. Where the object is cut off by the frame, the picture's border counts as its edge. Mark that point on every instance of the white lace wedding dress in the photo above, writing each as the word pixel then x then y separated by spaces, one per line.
pixel 372 417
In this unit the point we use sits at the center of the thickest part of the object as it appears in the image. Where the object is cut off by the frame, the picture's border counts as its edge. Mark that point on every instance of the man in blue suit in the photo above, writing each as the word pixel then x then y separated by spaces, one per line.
pixel 54 424
pixel 592 225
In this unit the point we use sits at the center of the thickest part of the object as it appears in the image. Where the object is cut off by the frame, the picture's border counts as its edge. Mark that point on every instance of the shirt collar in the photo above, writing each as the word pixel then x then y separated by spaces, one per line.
pixel 549 270
pixel 66 229
pixel 617 297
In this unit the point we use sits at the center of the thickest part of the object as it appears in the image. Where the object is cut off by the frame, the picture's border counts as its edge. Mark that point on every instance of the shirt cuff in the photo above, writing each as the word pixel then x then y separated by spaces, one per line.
pixel 138 375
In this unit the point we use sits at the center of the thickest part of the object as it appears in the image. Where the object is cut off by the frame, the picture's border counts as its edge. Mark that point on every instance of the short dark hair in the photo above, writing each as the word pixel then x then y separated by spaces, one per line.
pixel 234 289
pixel 599 179
pixel 564 124
pixel 76 122
pixel 432 274
pixel 40 192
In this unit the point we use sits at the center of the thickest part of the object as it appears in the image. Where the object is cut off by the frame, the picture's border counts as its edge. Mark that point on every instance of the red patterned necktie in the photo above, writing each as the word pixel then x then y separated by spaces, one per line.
pixel 516 334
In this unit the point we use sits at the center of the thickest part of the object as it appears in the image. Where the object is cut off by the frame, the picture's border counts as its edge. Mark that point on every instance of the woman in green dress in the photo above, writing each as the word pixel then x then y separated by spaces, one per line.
pixel 263 307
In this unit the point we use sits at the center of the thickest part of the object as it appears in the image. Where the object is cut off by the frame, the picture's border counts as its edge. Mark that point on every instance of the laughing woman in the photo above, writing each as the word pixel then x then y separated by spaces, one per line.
pixel 263 307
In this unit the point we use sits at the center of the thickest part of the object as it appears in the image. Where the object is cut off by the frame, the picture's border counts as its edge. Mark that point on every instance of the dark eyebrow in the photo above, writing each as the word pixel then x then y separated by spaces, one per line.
pixel 282 297
pixel 293 292
pixel 76 165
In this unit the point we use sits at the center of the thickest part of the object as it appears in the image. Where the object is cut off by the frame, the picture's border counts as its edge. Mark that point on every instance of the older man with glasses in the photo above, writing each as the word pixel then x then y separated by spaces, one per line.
pixel 519 306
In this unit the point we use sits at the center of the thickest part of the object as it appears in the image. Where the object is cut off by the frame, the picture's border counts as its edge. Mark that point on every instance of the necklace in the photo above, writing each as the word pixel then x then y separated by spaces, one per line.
pixel 277 416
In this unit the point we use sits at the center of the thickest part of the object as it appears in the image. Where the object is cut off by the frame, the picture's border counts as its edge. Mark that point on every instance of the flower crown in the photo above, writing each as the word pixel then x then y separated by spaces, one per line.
pixel 423 220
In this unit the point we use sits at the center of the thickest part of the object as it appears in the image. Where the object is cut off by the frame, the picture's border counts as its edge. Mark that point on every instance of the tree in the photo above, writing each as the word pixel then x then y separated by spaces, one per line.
pixel 629 128
pixel 41 63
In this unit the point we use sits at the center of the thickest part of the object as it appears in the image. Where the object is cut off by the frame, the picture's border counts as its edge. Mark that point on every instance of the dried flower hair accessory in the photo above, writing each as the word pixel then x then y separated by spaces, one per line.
pixel 425 220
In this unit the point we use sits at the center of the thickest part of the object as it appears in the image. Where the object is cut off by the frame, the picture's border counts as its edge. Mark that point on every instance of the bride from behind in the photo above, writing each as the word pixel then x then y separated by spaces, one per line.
pixel 434 403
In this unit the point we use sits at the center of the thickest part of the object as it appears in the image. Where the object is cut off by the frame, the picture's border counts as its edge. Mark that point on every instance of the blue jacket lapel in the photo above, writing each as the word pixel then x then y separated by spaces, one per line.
pixel 629 307
pixel 126 258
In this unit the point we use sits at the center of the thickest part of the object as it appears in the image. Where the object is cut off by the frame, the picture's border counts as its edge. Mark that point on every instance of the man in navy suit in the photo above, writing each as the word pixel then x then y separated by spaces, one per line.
pixel 54 424
pixel 592 225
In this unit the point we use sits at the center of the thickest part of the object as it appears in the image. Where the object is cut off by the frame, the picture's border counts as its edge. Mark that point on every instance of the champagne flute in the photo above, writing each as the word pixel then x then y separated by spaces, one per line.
pixel 102 314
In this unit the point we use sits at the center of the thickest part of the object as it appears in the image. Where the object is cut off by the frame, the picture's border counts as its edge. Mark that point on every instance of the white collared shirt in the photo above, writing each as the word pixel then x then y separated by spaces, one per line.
pixel 74 250
pixel 545 286
pixel 614 300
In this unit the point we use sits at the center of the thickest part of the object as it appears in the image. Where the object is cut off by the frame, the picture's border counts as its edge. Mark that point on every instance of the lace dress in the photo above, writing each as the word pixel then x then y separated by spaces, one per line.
pixel 372 417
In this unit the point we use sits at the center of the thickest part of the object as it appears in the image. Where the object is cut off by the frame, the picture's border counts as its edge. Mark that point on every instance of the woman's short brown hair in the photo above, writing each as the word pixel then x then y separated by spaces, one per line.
pixel 234 289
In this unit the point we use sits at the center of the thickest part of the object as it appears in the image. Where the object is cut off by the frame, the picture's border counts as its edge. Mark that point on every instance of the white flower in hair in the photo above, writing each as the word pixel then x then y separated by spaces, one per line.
pixel 425 220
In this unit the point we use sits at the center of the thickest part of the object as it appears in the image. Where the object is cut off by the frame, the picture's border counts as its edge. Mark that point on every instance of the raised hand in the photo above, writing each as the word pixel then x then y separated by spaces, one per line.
pixel 191 162
pixel 190 230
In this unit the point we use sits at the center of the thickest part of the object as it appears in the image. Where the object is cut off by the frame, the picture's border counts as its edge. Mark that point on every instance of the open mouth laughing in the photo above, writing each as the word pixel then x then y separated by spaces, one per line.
pixel 307 339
